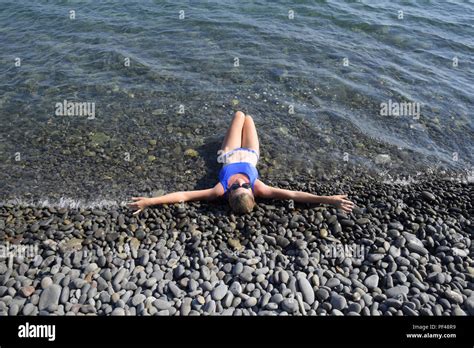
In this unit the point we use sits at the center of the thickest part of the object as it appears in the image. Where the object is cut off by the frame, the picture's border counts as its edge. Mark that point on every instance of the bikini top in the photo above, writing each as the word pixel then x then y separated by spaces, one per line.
pixel 237 168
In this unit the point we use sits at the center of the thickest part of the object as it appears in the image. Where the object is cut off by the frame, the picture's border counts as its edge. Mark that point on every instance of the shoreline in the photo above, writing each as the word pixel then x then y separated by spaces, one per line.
pixel 357 178
pixel 405 250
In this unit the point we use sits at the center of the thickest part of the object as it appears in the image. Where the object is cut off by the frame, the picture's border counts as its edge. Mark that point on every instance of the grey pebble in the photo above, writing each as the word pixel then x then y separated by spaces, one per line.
pixel 49 296
pixel 162 304
pixel 397 291
pixel 289 305
pixel 219 292
pixel 338 301
pixel 372 281
pixel 306 290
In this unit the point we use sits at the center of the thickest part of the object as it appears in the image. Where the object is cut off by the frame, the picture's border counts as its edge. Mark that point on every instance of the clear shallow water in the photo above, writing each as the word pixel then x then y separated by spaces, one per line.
pixel 137 140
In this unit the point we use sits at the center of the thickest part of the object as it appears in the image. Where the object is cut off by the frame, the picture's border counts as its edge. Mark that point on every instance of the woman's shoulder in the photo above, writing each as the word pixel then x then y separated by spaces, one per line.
pixel 258 187
pixel 219 189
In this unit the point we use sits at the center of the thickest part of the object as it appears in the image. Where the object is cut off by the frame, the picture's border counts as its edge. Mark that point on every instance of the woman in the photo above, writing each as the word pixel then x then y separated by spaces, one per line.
pixel 238 178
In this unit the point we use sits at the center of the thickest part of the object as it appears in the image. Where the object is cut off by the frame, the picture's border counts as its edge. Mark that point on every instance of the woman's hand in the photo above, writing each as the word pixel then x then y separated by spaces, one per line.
pixel 139 203
pixel 341 202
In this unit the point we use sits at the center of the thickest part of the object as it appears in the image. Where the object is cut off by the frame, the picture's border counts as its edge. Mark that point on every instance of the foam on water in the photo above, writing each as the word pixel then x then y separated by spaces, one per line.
pixel 465 178
pixel 66 202
pixel 102 203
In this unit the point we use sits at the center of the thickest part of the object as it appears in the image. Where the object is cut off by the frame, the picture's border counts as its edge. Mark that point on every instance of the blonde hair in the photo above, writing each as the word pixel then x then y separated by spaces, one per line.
pixel 242 203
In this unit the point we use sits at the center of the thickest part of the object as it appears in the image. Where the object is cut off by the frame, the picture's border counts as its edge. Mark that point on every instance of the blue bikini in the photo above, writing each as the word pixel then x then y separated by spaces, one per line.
pixel 237 168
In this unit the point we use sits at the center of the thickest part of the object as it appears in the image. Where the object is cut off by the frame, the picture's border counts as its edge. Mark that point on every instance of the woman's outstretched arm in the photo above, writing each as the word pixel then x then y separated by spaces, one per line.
pixel 141 203
pixel 339 201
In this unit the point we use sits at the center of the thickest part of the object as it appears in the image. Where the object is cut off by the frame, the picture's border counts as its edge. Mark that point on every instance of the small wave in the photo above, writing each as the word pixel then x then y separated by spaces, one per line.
pixel 65 202
pixel 403 182
pixel 460 178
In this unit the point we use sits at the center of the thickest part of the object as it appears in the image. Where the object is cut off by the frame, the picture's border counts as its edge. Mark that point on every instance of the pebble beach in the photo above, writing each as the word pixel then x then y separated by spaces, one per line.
pixel 405 250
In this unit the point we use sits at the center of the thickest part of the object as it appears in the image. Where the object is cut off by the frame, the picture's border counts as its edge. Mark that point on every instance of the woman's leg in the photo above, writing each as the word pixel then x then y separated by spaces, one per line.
pixel 249 135
pixel 233 138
